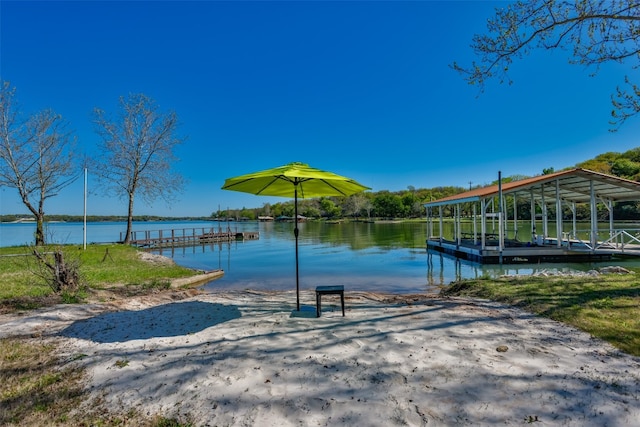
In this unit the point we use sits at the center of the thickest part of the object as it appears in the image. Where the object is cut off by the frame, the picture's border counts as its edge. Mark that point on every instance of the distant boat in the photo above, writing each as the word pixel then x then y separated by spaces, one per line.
pixel 284 218
pixel 23 220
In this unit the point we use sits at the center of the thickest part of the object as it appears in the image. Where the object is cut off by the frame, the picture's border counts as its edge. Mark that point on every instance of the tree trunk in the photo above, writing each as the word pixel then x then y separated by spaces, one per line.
pixel 39 230
pixel 127 237
pixel 40 222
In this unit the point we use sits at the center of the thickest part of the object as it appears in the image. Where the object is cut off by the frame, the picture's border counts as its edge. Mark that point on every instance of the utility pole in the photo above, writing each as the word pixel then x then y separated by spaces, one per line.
pixel 84 228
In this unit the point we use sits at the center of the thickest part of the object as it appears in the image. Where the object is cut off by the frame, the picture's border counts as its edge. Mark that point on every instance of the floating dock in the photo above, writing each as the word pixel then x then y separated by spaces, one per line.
pixel 518 253
pixel 186 237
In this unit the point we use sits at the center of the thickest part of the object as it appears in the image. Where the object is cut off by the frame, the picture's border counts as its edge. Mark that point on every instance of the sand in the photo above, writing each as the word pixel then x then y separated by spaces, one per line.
pixel 243 358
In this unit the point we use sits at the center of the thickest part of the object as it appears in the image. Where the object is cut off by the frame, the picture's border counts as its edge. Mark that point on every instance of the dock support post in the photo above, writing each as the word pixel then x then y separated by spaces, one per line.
pixel 483 224
pixel 501 216
pixel 500 234
pixel 457 225
pixel 475 226
pixel 545 217
pixel 515 216
pixel 594 217
pixel 558 216
pixel 533 216
pixel 574 218
pixel 441 232
pixel 610 207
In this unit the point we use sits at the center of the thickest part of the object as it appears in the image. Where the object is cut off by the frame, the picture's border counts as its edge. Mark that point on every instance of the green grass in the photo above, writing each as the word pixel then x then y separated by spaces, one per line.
pixel 101 266
pixel 32 390
pixel 605 306
pixel 15 279
pixel 39 389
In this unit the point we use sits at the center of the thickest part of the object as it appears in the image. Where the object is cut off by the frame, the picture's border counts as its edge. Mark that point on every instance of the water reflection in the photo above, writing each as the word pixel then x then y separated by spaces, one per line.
pixel 442 269
pixel 194 252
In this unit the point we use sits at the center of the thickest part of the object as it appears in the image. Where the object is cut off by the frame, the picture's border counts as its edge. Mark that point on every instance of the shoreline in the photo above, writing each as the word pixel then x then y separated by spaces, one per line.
pixel 197 280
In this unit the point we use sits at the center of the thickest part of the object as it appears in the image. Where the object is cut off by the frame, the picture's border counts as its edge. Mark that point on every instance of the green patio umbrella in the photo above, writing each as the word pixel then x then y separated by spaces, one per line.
pixel 294 180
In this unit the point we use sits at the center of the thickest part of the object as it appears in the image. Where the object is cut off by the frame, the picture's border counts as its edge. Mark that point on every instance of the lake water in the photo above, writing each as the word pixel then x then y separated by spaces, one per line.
pixel 389 257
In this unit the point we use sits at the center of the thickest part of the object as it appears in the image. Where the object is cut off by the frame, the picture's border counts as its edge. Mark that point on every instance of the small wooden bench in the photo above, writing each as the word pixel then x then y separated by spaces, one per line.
pixel 328 290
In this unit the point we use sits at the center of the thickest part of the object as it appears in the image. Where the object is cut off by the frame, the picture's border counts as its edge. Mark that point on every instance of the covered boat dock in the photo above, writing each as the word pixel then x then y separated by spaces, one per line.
pixel 492 236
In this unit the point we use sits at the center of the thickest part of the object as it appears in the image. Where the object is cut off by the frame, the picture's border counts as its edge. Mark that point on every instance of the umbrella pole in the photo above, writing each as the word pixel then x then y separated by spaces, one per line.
pixel 295 231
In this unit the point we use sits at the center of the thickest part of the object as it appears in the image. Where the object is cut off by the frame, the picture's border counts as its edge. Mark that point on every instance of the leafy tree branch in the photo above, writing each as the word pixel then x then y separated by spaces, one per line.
pixel 594 32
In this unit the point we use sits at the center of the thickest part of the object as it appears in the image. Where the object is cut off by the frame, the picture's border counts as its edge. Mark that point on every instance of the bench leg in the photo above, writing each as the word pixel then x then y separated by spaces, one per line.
pixel 319 302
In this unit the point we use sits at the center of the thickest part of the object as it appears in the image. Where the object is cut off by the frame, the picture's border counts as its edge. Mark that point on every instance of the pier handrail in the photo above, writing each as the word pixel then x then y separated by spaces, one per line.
pixel 175 235
pixel 616 238
pixel 189 237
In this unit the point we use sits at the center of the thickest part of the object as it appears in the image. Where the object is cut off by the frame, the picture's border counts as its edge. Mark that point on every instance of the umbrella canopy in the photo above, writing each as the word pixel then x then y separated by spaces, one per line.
pixel 294 180
pixel 285 181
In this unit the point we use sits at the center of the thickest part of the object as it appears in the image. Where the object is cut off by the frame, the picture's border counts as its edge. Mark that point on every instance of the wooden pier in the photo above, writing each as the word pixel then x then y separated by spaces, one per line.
pixel 186 237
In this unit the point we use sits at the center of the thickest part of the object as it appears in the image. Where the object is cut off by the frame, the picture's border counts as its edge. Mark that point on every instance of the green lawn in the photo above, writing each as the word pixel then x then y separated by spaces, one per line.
pixel 606 306
pixel 101 266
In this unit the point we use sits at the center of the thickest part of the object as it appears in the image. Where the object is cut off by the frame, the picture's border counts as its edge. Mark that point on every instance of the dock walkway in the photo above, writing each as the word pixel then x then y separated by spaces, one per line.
pixel 187 237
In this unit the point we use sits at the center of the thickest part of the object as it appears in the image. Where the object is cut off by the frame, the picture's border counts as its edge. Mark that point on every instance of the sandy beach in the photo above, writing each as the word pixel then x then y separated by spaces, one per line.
pixel 246 358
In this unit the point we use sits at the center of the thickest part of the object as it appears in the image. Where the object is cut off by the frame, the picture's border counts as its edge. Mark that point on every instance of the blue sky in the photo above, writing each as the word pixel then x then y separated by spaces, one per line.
pixel 363 89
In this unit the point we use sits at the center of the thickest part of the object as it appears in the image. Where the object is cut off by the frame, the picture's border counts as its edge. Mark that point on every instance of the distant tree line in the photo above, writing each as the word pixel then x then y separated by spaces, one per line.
pixel 409 203
pixel 102 218
pixel 382 204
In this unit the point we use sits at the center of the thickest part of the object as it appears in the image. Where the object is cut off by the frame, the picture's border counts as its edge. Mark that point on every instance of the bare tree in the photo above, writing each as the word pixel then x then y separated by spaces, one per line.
pixel 593 31
pixel 355 203
pixel 36 156
pixel 368 206
pixel 137 152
